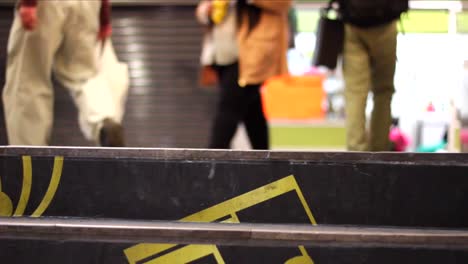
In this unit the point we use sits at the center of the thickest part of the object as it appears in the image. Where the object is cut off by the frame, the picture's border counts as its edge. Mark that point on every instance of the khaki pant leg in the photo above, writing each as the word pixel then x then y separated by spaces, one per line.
pixel 77 67
pixel 28 93
pixel 383 41
pixel 356 70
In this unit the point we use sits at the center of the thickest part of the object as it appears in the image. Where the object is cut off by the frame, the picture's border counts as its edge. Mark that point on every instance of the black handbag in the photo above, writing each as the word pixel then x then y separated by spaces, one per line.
pixel 329 38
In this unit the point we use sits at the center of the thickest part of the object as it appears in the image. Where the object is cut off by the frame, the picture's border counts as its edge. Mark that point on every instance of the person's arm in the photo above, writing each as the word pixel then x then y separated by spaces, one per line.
pixel 278 6
pixel 105 20
pixel 30 3
pixel 28 14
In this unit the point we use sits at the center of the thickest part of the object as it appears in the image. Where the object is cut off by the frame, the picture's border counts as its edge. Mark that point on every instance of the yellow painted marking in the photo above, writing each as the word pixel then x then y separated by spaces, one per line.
pixel 247 200
pixel 6 206
pixel 303 251
pixel 229 208
pixel 52 189
pixel 303 259
pixel 218 257
pixel 234 218
pixel 135 253
pixel 26 189
pixel 304 204
pixel 188 254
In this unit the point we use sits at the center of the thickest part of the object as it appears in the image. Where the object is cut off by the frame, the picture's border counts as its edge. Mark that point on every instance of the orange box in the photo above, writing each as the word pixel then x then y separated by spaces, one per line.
pixel 294 97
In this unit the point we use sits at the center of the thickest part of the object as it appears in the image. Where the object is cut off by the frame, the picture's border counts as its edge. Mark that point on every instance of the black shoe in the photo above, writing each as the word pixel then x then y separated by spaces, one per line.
pixel 111 134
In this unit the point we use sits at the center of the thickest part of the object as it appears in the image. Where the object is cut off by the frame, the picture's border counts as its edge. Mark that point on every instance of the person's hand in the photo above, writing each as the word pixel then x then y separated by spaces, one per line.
pixel 203 11
pixel 28 15
pixel 105 32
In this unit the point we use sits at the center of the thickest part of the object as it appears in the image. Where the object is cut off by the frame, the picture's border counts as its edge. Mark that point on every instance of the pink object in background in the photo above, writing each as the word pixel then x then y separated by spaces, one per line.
pixel 399 139
pixel 464 136
pixel 464 140
pixel 314 71
pixel 430 107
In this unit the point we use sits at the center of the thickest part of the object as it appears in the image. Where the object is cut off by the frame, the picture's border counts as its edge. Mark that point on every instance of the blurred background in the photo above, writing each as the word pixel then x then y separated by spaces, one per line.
pixel 161 41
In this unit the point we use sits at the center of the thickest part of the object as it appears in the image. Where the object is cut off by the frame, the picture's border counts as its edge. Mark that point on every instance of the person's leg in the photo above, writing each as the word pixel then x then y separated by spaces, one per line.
pixel 76 67
pixel 383 43
pixel 77 59
pixel 229 108
pixel 254 118
pixel 28 94
pixel 357 84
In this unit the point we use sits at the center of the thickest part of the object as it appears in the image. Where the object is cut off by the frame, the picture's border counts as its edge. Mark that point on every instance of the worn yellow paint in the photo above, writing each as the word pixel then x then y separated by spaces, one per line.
pixel 188 254
pixel 304 204
pixel 250 199
pixel 26 189
pixel 134 254
pixel 234 219
pixel 227 208
pixel 143 250
pixel 6 206
pixel 52 189
pixel 303 251
pixel 300 260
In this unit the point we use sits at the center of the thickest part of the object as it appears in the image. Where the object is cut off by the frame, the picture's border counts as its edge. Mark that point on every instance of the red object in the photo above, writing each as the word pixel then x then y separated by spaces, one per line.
pixel 430 107
pixel 105 17
pixel 105 32
pixel 28 16
pixel 464 136
pixel 399 139
pixel 29 2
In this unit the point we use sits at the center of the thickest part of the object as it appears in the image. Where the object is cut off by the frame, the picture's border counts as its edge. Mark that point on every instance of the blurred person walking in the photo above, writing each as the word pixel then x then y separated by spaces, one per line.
pixel 261 42
pixel 59 37
pixel 369 65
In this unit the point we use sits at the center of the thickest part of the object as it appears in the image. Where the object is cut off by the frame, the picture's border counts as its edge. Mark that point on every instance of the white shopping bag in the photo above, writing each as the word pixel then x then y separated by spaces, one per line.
pixel 116 73
pixel 105 95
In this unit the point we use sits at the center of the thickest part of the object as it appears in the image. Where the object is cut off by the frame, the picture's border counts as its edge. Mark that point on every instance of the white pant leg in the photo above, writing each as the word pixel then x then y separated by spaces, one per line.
pixel 28 94
pixel 78 68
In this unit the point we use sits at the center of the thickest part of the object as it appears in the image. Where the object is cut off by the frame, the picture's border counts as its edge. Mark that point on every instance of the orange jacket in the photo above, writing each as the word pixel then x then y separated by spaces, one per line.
pixel 262 52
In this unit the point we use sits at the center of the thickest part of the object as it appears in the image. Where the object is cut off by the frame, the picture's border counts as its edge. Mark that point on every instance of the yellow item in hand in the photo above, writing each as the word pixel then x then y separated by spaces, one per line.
pixel 220 8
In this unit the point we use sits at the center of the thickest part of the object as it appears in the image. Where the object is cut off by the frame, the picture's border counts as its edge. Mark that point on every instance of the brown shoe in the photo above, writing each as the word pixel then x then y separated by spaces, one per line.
pixel 111 134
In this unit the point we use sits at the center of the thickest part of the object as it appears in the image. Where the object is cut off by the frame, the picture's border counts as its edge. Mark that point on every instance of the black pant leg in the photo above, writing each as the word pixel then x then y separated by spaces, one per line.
pixel 229 109
pixel 254 118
